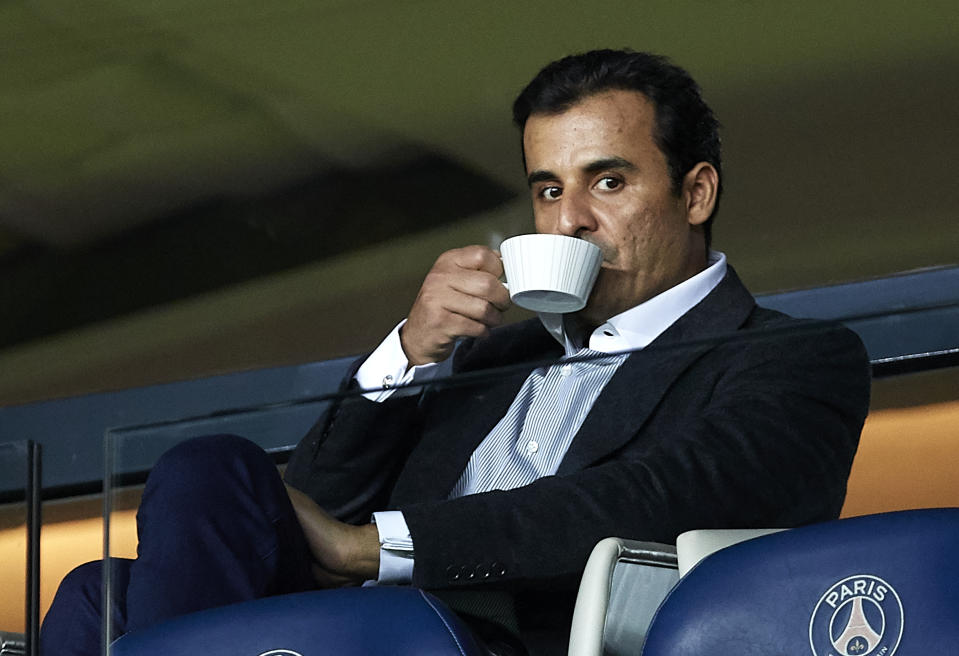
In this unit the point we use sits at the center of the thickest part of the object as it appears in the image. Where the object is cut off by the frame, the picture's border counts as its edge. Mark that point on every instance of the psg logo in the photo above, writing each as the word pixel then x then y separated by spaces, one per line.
pixel 858 616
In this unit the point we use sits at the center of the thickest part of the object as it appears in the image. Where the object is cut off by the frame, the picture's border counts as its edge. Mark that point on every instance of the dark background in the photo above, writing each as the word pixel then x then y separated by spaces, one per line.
pixel 198 188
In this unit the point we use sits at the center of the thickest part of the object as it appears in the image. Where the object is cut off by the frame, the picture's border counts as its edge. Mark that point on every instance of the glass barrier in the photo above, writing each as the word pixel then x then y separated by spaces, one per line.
pixel 131 452
pixel 19 542
pixel 479 397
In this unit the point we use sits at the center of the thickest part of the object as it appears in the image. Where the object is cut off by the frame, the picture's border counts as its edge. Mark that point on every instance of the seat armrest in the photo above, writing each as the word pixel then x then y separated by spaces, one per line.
pixel 12 644
pixel 623 583
pixel 693 546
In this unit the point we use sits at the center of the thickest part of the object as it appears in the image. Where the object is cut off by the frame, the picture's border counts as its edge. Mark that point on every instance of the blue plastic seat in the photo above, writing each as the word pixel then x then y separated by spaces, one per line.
pixel 393 621
pixel 868 586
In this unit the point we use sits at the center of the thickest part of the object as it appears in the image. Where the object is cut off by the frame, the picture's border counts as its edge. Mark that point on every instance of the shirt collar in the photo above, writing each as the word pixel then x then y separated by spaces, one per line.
pixel 638 326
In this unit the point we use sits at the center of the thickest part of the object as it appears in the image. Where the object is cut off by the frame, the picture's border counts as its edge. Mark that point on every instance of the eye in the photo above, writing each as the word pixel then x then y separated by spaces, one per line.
pixel 609 183
pixel 550 193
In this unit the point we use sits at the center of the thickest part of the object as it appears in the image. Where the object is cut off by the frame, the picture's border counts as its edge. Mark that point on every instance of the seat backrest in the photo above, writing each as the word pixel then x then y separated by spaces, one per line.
pixel 865 586
pixel 693 546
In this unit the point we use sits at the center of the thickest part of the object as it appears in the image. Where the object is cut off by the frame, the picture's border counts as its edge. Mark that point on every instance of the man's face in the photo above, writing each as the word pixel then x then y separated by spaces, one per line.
pixel 595 172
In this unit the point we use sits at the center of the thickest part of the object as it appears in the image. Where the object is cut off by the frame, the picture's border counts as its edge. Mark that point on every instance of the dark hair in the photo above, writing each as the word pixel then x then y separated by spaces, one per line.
pixel 686 130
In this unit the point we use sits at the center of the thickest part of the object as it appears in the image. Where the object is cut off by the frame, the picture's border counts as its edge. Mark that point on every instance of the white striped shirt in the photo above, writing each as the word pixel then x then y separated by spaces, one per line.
pixel 533 436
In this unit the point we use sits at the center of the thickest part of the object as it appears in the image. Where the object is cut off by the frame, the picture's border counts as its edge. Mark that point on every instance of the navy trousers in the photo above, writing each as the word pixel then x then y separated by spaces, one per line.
pixel 215 526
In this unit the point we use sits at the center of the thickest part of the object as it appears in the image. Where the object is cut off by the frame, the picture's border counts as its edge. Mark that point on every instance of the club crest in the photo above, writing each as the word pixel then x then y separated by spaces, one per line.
pixel 858 616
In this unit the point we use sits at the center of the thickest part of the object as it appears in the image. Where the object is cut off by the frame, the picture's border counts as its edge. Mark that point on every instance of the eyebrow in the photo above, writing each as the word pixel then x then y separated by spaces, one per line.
pixel 540 176
pixel 609 163
pixel 596 166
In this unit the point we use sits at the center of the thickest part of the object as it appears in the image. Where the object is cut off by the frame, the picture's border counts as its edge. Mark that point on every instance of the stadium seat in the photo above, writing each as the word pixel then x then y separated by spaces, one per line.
pixel 397 621
pixel 865 586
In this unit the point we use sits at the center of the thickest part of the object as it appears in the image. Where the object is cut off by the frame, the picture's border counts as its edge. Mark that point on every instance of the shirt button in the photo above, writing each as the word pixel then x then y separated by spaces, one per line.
pixel 532 446
pixel 566 370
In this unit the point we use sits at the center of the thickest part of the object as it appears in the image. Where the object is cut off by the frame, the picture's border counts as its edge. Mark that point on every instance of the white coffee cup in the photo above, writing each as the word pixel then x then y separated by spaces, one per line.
pixel 550 273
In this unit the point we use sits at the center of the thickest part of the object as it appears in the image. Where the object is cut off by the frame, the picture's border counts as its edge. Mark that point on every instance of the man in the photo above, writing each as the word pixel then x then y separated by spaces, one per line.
pixel 678 403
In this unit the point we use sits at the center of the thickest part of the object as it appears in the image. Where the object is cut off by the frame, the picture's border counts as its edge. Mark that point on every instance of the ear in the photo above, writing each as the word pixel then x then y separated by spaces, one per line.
pixel 700 187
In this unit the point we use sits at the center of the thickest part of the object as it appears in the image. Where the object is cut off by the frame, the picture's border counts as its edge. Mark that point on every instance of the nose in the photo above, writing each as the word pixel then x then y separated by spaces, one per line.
pixel 575 215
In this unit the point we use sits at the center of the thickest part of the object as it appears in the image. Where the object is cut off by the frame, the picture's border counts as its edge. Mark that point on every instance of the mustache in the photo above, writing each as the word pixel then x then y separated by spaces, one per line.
pixel 607 251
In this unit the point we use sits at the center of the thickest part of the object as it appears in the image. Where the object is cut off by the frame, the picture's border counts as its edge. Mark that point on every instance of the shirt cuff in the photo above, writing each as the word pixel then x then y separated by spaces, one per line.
pixel 386 370
pixel 396 548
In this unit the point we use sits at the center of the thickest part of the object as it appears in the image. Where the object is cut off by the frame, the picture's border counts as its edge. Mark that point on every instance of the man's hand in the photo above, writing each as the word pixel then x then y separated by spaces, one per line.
pixel 461 296
pixel 343 554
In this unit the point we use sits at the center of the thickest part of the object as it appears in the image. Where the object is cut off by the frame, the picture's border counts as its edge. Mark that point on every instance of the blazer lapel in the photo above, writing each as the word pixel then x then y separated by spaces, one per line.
pixel 640 383
pixel 464 410
pixel 468 414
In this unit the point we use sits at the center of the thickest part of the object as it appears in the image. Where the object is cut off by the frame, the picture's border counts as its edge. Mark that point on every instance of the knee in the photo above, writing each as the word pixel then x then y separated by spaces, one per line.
pixel 81 585
pixel 78 595
pixel 208 467
pixel 72 623
pixel 205 460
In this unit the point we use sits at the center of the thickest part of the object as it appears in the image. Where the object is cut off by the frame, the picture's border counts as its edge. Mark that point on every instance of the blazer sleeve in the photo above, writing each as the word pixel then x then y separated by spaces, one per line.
pixel 350 458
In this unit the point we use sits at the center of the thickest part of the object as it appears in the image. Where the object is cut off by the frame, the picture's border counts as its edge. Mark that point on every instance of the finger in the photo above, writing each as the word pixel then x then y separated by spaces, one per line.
pixel 473 309
pixel 464 327
pixel 484 286
pixel 454 327
pixel 477 258
pixel 498 295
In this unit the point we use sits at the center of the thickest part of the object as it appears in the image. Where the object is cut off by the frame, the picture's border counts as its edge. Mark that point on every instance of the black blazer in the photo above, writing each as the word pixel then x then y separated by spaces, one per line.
pixel 735 416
